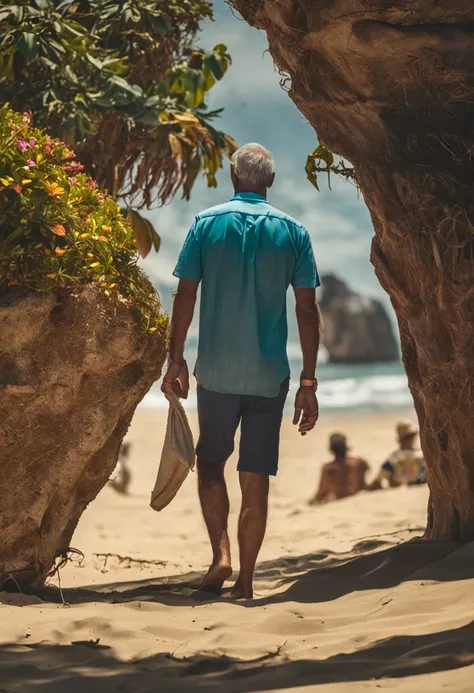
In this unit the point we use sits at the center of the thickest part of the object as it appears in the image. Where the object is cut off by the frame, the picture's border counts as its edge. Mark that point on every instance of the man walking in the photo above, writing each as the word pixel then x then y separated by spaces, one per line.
pixel 246 253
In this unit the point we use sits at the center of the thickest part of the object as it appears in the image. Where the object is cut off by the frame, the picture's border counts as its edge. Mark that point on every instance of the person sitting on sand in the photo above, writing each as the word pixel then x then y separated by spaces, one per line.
pixel 343 476
pixel 246 253
pixel 406 465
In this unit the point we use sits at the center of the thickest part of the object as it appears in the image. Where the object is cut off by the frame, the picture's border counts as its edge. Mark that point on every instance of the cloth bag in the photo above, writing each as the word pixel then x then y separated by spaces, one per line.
pixel 177 457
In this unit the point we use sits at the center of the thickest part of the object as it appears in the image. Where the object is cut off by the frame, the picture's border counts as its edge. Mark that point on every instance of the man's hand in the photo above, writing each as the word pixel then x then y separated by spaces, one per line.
pixel 306 410
pixel 176 381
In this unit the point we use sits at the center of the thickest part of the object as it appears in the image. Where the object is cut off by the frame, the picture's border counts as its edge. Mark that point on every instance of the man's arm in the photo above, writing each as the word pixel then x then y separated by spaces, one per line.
pixel 306 403
pixel 176 380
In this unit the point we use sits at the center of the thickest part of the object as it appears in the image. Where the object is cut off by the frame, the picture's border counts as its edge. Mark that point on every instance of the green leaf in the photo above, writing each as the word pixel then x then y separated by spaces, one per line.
pixel 27 46
pixel 94 61
pixel 214 65
pixel 71 76
pixel 161 23
pixel 132 89
pixel 220 48
pixel 323 153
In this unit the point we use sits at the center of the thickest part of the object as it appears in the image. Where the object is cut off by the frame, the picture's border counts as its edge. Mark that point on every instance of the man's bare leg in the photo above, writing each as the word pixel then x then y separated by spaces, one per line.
pixel 215 509
pixel 252 525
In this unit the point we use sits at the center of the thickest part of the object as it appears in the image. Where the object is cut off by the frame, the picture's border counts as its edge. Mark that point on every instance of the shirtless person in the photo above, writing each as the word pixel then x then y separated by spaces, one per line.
pixel 343 476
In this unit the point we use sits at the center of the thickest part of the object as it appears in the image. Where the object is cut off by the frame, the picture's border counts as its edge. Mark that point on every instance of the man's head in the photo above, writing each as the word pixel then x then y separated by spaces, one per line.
pixel 252 169
pixel 338 445
pixel 406 434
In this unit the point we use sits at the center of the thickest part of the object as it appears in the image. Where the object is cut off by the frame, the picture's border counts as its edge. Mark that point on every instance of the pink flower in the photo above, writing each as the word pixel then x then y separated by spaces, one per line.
pixel 32 142
pixel 72 167
pixel 73 180
pixel 17 188
pixel 48 149
pixel 93 184
pixel 22 145
pixel 31 163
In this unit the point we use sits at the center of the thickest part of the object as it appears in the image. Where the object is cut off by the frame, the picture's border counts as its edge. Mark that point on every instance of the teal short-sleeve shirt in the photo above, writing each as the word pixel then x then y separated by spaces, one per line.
pixel 246 253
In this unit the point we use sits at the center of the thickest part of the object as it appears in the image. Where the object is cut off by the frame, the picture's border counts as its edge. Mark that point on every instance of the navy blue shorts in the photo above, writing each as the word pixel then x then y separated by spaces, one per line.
pixel 260 419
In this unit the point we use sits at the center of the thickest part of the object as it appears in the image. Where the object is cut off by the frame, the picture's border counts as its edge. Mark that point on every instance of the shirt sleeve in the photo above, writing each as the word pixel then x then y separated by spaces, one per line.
pixel 190 262
pixel 305 272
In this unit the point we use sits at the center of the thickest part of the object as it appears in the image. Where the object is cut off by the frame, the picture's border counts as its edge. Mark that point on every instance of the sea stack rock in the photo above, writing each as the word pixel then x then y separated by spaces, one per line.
pixel 356 329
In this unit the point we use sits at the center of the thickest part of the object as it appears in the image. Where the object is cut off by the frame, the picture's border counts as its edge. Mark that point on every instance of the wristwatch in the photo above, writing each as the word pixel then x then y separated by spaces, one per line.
pixel 308 382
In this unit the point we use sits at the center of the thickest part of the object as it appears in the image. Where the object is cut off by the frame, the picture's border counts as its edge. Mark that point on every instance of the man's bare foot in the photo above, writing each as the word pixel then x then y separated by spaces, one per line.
pixel 241 591
pixel 217 574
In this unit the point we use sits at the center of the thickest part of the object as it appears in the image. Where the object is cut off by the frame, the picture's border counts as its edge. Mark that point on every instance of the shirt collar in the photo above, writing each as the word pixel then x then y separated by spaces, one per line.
pixel 249 197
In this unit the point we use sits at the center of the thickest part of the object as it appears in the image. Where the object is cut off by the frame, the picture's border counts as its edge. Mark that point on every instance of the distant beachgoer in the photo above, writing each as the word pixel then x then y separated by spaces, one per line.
pixel 121 482
pixel 343 476
pixel 246 253
pixel 406 465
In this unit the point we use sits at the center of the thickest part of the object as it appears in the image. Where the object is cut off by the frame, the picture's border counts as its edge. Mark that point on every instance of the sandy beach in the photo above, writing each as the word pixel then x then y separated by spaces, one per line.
pixel 346 598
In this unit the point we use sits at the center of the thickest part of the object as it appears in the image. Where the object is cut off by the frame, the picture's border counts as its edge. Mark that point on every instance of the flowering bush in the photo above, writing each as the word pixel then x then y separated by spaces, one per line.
pixel 57 229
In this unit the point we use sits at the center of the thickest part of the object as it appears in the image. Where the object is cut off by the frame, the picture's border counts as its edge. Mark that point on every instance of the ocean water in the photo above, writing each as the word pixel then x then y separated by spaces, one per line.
pixel 344 389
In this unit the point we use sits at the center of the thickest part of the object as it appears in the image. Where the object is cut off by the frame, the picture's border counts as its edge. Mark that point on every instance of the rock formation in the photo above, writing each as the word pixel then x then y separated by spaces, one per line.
pixel 355 329
pixel 72 370
pixel 390 86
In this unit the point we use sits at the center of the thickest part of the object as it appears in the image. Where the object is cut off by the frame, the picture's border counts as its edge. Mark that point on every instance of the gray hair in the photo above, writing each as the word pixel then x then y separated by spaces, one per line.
pixel 253 164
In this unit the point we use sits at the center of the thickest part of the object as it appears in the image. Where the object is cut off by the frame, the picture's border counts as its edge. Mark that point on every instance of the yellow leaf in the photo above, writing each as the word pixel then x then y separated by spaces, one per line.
pixel 39 158
pixel 94 225
pixel 152 329
pixel 25 181
pixel 176 148
pixel 85 235
pixel 94 264
pixel 103 239
pixel 106 229
pixel 51 276
pixel 5 182
pixel 55 189
pixel 89 255
pixel 107 293
pixel 144 232
pixel 185 118
pixel 112 286
pixel 60 251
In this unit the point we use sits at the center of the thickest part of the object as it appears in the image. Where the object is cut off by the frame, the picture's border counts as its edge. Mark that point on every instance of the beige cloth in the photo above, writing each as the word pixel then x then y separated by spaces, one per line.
pixel 177 457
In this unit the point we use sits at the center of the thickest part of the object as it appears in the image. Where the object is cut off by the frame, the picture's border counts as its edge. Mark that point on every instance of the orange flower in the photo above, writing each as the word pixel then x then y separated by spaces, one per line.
pixel 60 251
pixel 59 230
pixel 54 189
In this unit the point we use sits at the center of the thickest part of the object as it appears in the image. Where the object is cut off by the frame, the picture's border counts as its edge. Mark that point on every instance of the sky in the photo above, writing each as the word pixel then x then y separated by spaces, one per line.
pixel 257 109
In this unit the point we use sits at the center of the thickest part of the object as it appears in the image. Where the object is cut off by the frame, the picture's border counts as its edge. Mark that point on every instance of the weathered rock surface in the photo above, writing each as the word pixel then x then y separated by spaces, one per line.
pixel 72 371
pixel 356 329
pixel 390 86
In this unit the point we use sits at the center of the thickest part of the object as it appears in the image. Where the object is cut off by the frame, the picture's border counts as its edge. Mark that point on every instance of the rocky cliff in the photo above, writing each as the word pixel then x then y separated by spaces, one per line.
pixel 72 370
pixel 355 329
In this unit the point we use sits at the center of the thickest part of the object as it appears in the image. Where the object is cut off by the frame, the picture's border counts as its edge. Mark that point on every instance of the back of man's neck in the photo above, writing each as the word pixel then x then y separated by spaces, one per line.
pixel 255 191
